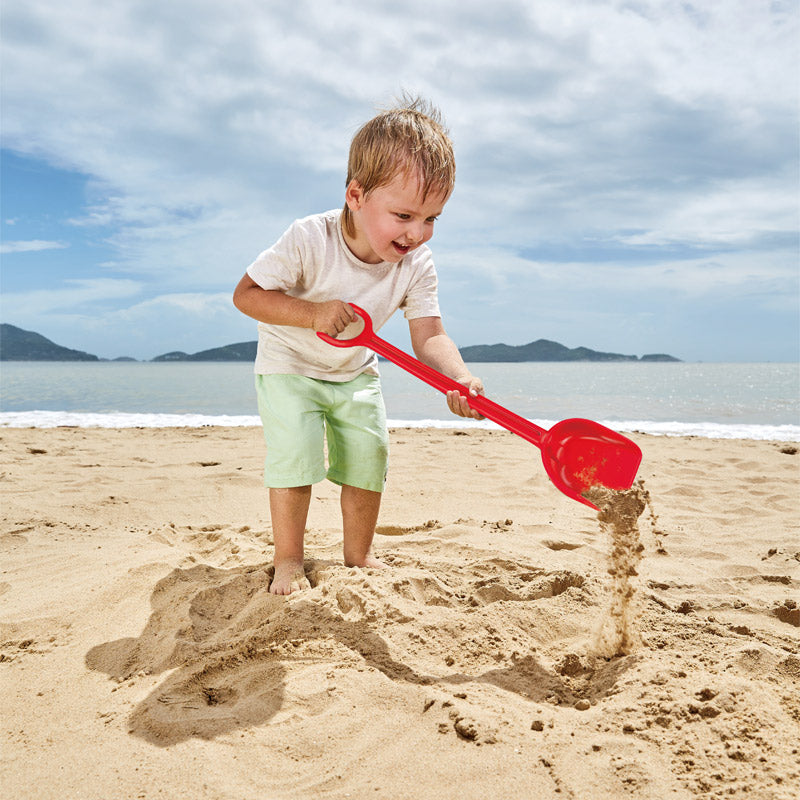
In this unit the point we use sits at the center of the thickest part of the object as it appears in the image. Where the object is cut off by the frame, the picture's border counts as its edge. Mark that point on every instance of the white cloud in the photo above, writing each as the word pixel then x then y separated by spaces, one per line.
pixel 728 214
pixel 74 294
pixel 208 305
pixel 30 246
pixel 505 274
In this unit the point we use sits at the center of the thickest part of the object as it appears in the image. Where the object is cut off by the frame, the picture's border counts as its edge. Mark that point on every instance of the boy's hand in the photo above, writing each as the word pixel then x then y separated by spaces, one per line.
pixel 332 317
pixel 458 404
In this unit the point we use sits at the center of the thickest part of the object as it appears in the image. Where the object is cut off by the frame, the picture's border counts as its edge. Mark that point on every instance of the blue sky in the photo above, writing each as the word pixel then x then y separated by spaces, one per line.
pixel 627 171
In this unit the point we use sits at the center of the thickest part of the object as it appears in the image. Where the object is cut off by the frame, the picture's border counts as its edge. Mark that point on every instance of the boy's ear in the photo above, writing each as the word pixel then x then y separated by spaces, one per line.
pixel 354 195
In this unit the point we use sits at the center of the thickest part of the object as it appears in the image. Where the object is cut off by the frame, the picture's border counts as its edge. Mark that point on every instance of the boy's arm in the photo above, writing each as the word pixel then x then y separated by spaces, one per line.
pixel 276 308
pixel 435 348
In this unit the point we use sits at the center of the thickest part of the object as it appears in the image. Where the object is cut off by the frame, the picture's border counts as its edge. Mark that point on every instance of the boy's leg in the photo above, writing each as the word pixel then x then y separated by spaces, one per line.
pixel 358 449
pixel 289 511
pixel 360 509
pixel 294 425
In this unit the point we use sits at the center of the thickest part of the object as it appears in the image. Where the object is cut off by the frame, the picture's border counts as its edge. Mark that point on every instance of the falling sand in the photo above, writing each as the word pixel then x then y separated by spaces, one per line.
pixel 619 513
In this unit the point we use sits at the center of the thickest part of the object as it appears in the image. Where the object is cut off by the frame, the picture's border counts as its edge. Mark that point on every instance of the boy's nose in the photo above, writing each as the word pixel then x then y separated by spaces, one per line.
pixel 415 232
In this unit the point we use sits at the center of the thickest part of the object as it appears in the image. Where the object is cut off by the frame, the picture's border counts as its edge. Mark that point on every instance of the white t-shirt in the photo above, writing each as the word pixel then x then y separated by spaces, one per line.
pixel 312 261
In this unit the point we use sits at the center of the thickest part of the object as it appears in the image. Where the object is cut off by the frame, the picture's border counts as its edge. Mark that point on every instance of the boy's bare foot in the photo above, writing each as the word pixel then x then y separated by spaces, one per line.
pixel 289 577
pixel 369 562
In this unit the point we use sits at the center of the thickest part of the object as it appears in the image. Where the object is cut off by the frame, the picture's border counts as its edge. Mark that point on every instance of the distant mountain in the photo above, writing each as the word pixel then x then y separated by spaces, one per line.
pixel 174 355
pixel 541 350
pixel 242 351
pixel 659 357
pixel 545 350
pixel 19 345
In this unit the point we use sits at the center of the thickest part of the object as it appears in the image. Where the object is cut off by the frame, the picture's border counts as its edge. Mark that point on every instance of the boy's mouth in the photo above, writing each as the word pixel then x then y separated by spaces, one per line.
pixel 402 249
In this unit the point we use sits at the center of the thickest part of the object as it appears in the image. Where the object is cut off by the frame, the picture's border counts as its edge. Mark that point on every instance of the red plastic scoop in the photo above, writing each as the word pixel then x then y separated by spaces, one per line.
pixel 577 453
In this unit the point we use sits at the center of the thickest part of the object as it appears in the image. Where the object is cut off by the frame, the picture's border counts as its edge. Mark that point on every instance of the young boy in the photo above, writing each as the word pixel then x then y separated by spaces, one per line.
pixel 401 173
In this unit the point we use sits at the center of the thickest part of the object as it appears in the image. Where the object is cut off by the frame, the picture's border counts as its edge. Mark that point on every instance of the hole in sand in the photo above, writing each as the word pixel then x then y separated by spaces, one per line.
pixel 215 696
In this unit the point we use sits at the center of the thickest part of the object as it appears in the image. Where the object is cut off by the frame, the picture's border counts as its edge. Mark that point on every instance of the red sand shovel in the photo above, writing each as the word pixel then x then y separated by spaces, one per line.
pixel 577 453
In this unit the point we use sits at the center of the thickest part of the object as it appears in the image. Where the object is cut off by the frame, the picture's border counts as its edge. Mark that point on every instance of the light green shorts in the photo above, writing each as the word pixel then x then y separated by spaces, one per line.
pixel 297 413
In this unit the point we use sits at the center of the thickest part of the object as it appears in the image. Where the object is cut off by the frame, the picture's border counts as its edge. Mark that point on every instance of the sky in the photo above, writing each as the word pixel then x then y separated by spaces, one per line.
pixel 627 170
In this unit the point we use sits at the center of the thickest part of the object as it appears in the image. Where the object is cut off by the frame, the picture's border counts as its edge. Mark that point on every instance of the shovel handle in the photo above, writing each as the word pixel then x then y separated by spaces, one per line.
pixel 488 408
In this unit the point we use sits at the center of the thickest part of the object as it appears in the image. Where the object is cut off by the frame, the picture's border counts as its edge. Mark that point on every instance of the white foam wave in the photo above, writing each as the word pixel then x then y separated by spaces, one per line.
pixel 58 419
pixel 706 430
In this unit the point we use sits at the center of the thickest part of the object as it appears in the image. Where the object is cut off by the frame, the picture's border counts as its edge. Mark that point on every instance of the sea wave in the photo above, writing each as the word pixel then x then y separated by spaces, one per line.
pixel 706 430
pixel 118 419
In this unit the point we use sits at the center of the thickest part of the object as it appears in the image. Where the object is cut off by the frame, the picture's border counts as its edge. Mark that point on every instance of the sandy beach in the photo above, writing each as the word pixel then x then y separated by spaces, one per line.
pixel 141 655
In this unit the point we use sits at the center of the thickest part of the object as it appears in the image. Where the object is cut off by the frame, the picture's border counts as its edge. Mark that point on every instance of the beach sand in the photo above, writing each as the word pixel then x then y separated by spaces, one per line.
pixel 141 655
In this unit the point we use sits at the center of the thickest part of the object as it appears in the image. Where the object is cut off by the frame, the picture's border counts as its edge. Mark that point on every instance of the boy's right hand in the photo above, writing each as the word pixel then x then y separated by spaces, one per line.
pixel 332 317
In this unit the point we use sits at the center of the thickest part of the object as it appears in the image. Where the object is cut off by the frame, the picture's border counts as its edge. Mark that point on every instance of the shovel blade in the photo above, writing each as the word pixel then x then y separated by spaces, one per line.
pixel 579 453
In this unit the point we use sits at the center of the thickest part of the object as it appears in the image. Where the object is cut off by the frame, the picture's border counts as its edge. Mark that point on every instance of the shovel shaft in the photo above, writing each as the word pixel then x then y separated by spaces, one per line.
pixel 488 408
pixel 483 405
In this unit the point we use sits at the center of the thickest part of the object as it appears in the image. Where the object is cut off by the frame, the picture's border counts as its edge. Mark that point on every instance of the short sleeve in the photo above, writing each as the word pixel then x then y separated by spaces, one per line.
pixel 281 266
pixel 422 297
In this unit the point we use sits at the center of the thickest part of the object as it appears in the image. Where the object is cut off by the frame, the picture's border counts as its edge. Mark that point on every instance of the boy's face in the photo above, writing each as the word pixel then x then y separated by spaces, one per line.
pixel 391 220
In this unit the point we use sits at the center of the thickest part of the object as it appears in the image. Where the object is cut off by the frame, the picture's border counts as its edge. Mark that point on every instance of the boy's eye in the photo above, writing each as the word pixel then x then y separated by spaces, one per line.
pixel 403 216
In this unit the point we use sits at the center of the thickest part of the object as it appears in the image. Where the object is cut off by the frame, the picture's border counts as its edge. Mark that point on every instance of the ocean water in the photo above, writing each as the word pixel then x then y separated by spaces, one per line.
pixel 755 401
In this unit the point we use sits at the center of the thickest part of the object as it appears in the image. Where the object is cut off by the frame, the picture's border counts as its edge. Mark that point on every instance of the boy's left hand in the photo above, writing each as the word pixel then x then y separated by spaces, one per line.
pixel 456 401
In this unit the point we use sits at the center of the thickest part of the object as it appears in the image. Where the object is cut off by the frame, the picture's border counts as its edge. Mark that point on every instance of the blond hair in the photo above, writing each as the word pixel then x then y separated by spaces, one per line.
pixel 410 139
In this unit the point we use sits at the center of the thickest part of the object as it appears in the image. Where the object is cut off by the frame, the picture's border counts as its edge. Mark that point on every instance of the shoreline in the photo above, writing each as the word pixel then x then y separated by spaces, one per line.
pixel 110 420
pixel 141 653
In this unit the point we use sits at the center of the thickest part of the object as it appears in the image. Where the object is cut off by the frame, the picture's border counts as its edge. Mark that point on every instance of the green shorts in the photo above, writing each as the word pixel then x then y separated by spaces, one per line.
pixel 298 412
